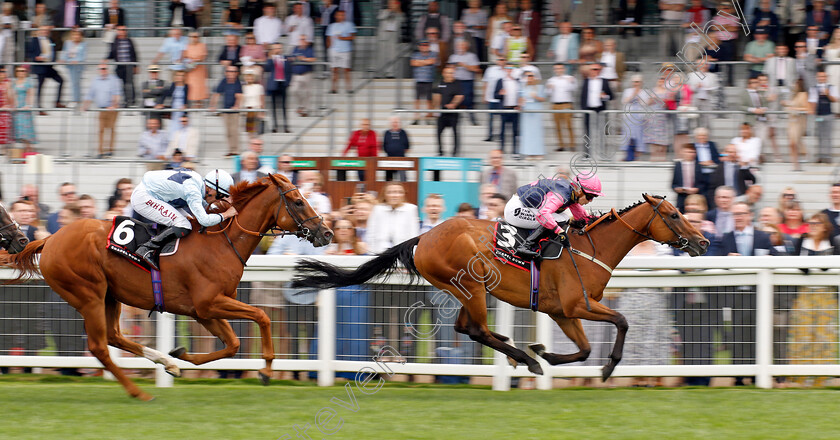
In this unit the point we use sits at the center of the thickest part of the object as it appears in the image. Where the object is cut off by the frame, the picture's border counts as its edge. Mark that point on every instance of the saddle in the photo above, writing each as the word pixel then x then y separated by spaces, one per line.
pixel 507 237
pixel 127 234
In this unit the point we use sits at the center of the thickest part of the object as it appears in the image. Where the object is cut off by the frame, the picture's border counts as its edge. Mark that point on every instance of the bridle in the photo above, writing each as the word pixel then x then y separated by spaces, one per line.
pixel 276 230
pixel 5 241
pixel 680 243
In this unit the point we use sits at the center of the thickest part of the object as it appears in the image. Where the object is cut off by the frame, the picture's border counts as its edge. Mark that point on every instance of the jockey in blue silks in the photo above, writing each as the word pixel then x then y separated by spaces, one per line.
pixel 542 204
pixel 162 197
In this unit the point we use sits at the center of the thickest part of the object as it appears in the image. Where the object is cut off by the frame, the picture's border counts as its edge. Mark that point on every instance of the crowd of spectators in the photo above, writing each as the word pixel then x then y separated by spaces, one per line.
pixel 589 72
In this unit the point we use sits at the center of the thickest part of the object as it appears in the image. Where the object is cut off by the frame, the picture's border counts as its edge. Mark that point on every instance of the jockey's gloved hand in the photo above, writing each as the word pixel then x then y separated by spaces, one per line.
pixel 561 236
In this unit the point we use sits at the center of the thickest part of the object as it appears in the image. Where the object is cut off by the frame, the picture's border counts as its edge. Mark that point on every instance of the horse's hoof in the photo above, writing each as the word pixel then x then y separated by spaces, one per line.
pixel 538 349
pixel 145 397
pixel 607 371
pixel 512 362
pixel 536 369
pixel 173 370
pixel 264 379
pixel 178 352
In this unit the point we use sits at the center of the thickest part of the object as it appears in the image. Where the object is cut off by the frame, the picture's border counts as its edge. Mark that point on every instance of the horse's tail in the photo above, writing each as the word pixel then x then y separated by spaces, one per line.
pixel 320 275
pixel 25 261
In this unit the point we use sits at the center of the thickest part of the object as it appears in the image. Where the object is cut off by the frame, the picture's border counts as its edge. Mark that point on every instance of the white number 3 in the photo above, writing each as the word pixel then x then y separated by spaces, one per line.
pixel 124 234
pixel 507 237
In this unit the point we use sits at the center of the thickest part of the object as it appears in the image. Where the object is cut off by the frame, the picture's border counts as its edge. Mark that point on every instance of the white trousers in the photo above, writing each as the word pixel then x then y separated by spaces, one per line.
pixel 523 217
pixel 156 210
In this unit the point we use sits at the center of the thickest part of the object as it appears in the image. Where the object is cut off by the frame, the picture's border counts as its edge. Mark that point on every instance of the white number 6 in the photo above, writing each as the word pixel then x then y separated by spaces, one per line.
pixel 124 234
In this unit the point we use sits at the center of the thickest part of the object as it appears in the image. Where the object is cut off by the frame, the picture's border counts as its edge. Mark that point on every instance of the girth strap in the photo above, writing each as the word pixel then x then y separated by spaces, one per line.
pixel 593 259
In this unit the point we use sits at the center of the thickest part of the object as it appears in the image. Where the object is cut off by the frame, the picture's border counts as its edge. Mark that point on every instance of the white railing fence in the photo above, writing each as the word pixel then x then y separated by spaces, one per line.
pixel 760 316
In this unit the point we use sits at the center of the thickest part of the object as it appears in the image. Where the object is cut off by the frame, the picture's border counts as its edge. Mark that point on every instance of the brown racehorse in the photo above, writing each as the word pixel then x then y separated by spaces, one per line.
pixel 457 257
pixel 11 237
pixel 200 280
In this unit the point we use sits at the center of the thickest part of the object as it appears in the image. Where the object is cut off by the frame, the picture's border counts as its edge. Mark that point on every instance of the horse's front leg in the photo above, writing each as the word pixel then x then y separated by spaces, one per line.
pixel 224 307
pixel 601 312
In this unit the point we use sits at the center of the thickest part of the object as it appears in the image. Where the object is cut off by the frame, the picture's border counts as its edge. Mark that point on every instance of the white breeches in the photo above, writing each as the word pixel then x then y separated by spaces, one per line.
pixel 156 210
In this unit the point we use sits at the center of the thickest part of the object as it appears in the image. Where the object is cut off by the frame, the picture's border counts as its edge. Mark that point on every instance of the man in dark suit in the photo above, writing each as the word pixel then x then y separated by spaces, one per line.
pixel 113 15
pixel 729 173
pixel 229 54
pixel 531 22
pixel 278 75
pixel 41 49
pixel 122 51
pixel 688 176
pixel 722 216
pixel 747 241
pixel 594 94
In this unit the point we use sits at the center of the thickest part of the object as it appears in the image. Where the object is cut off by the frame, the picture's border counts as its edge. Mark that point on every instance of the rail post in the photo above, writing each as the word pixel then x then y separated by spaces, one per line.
pixel 326 337
pixel 764 328
pixel 164 343
pixel 504 316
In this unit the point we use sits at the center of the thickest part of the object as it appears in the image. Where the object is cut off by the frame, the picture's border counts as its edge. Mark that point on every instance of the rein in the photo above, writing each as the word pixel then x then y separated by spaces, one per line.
pixel 276 230
pixel 680 243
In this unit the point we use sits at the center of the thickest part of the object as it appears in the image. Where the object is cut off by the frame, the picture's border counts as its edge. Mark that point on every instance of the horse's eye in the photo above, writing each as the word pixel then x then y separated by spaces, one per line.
pixel 299 202
pixel 675 216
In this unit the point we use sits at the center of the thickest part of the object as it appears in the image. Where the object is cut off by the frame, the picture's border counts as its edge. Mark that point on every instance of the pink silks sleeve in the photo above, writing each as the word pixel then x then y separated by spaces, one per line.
pixel 550 204
pixel 577 211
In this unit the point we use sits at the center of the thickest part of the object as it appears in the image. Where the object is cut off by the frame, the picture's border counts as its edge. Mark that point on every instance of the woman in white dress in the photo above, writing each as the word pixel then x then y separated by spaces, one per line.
pixel 531 97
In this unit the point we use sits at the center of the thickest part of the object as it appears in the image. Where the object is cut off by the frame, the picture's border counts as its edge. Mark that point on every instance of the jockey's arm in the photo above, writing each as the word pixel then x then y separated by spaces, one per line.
pixel 551 203
pixel 196 203
pixel 578 212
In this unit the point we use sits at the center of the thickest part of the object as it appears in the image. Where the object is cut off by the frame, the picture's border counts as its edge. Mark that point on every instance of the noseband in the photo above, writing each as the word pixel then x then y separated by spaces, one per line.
pixel 680 243
pixel 5 241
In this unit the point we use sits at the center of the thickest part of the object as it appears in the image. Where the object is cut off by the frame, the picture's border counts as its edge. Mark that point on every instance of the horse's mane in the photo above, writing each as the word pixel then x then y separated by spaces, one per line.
pixel 610 218
pixel 242 192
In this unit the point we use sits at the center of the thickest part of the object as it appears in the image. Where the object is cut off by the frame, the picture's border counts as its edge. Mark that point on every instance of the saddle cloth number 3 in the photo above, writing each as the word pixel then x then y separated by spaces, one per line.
pixel 507 237
pixel 124 233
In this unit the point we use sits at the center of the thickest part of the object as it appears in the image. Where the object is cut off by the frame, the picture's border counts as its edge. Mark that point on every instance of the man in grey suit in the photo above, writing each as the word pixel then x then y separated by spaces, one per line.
pixel 504 179
pixel 781 69
pixel 754 102
pixel 806 64
pixel 250 168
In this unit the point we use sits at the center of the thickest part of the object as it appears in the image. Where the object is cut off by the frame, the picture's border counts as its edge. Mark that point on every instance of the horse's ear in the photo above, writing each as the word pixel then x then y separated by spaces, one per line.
pixel 647 197
pixel 278 179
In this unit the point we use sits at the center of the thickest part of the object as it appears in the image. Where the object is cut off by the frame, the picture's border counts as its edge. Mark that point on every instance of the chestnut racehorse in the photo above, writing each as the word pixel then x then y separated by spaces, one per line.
pixel 200 280
pixel 457 257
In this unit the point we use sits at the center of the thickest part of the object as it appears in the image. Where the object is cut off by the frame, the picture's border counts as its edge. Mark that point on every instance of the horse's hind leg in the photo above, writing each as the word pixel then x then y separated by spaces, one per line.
pixel 95 327
pixel 573 329
pixel 473 319
pixel 116 338
pixel 463 326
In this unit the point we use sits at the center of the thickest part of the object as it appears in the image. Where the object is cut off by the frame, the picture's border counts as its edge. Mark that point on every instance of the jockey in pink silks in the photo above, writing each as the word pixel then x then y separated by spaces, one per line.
pixel 545 204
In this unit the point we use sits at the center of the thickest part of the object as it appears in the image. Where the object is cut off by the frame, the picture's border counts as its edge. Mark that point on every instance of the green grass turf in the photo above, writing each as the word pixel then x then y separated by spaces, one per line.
pixel 39 407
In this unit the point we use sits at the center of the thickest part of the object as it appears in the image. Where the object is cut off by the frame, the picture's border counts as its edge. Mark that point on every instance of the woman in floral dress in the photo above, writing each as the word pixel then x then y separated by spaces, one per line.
pixel 24 93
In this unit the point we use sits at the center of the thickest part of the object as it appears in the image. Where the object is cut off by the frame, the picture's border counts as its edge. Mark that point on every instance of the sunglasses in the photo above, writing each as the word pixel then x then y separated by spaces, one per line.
pixel 285 161
pixel 71 193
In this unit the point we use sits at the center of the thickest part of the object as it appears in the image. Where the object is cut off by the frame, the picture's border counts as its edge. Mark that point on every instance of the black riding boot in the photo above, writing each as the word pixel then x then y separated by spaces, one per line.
pixel 149 250
pixel 524 248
